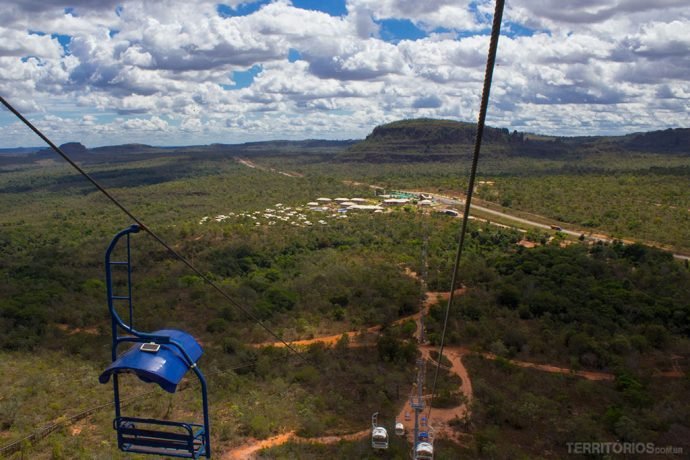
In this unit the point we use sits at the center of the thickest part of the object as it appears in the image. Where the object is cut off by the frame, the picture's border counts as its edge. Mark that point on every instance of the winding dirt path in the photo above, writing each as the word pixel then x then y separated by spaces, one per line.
pixel 588 375
pixel 249 450
pixel 431 298
pixel 442 418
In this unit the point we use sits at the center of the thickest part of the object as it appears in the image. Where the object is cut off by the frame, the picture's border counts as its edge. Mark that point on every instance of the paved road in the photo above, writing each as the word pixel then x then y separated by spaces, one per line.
pixel 454 202
pixel 461 203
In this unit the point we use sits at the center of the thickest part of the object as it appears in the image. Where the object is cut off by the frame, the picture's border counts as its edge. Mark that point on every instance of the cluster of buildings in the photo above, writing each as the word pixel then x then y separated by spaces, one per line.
pixel 271 216
pixel 377 205
pixel 329 208
pixel 343 205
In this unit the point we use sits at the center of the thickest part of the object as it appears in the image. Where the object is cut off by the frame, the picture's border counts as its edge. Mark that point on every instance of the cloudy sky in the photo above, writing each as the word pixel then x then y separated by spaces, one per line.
pixel 195 71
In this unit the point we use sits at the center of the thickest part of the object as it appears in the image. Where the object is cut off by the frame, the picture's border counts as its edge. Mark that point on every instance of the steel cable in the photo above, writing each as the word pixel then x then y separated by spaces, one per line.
pixel 144 227
pixel 491 59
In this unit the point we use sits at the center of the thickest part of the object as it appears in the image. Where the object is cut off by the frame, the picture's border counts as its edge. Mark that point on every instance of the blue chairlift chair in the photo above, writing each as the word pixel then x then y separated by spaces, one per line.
pixel 161 357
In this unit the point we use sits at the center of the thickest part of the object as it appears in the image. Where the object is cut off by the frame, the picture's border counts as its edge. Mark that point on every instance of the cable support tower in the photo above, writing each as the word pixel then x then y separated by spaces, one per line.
pixel 417 400
pixel 424 278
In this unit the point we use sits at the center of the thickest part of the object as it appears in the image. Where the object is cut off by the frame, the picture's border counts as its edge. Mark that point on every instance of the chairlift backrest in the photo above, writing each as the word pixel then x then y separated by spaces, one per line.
pixel 379 433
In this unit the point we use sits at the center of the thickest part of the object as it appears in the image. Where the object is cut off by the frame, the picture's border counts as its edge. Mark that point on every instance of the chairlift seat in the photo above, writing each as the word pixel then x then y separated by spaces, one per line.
pixel 160 437
pixel 166 367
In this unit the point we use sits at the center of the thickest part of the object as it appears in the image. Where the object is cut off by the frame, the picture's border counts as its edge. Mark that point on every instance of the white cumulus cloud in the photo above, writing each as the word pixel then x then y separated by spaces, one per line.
pixel 179 72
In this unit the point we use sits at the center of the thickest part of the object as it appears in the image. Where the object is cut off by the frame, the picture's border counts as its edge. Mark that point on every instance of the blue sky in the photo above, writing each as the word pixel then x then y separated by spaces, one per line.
pixel 332 8
pixel 200 71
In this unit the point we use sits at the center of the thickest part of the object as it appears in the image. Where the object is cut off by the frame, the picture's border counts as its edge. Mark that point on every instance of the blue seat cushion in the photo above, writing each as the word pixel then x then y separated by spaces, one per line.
pixel 166 367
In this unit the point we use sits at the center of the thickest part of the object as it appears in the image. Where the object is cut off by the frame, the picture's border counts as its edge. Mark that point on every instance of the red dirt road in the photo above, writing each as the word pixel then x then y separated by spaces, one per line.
pixel 441 417
pixel 589 375
pixel 249 450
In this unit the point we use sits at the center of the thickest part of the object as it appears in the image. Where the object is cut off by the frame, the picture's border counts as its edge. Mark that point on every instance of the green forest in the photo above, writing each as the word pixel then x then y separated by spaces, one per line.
pixel 614 308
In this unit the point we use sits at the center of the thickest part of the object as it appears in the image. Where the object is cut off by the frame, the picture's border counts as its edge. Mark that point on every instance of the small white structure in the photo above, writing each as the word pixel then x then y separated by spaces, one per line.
pixel 365 207
pixel 424 451
pixel 340 200
pixel 399 429
pixel 347 204
pixel 312 203
pixel 425 203
pixel 358 200
pixel 324 200
pixel 395 202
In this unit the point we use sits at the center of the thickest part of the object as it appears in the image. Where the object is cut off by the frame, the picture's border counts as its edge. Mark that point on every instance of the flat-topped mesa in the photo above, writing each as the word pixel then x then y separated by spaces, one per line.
pixel 425 139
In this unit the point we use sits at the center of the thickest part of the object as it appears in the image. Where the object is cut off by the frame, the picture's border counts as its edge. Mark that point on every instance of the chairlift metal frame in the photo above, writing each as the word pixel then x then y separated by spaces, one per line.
pixel 161 357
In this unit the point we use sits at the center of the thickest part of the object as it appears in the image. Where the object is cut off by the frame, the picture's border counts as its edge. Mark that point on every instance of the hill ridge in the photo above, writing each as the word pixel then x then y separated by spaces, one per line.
pixel 427 139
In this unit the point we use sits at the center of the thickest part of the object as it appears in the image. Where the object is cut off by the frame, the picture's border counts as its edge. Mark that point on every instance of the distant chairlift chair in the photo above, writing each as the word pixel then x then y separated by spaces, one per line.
pixel 424 447
pixel 424 451
pixel 399 429
pixel 379 435
pixel 161 357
